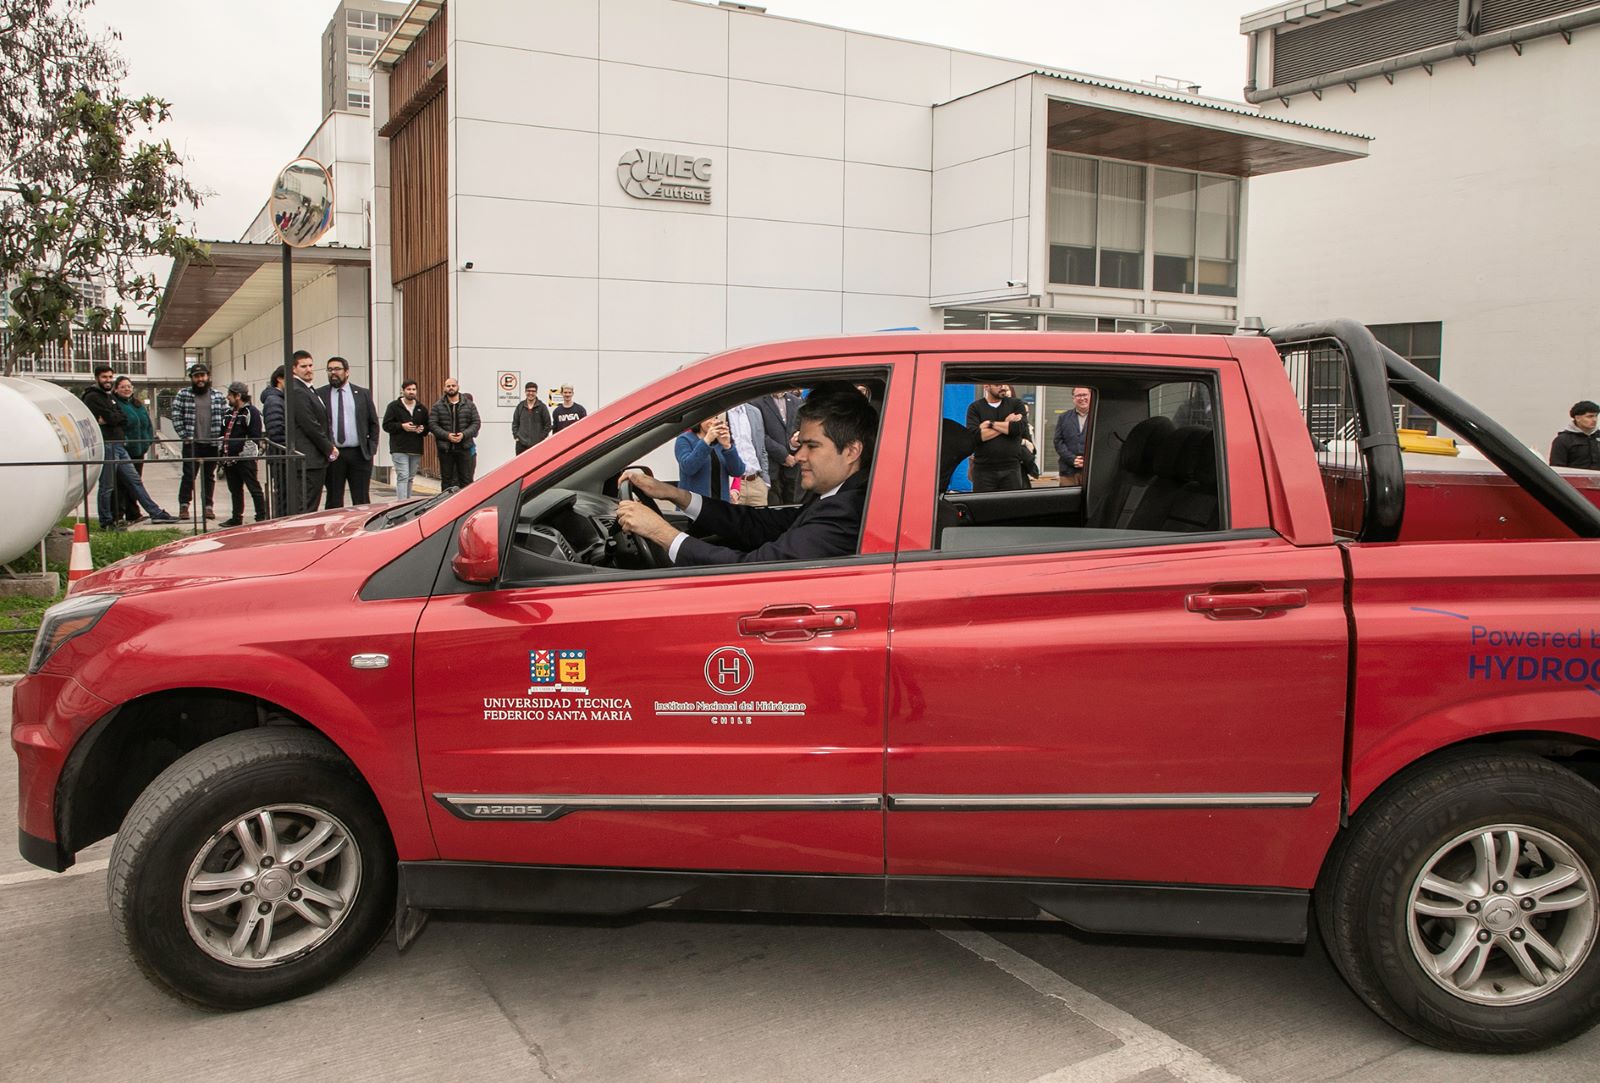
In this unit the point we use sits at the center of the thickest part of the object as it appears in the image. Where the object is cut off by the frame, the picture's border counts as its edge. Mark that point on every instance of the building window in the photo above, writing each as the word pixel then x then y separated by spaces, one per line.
pixel 1096 212
pixel 1217 236
pixel 1421 344
pixel 1197 234
pixel 359 100
pixel 1121 226
pixel 361 20
pixel 357 73
pixel 386 23
pixel 1074 183
pixel 362 46
pixel 969 319
pixel 1098 235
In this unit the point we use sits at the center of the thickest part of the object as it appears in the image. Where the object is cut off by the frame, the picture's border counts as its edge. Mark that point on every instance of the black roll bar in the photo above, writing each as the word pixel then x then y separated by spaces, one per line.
pixel 1380 446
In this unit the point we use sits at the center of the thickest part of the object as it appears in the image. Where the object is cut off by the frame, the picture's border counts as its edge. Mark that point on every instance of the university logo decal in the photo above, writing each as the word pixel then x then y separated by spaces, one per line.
pixel 557 671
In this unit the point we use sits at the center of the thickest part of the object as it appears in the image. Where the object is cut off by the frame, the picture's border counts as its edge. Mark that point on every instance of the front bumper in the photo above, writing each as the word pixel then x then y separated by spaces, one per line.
pixel 49 714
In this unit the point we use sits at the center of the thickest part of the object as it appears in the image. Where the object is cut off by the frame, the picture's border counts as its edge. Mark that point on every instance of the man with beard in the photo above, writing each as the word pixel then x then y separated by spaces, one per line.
pixel 353 425
pixel 102 403
pixel 197 413
pixel 454 422
pixel 405 421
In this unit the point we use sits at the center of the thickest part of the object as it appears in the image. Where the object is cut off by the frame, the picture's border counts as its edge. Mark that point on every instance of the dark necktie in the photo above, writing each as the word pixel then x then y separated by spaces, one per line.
pixel 717 490
pixel 340 408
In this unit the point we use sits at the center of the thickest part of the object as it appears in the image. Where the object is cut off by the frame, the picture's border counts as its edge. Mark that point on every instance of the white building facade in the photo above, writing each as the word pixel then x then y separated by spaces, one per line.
pixel 1467 236
pixel 631 184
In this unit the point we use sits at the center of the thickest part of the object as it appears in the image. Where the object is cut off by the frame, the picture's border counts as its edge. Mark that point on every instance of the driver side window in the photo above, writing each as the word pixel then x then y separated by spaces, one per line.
pixel 742 452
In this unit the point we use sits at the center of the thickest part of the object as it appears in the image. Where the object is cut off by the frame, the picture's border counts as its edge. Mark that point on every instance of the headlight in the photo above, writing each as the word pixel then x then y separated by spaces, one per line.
pixel 64 621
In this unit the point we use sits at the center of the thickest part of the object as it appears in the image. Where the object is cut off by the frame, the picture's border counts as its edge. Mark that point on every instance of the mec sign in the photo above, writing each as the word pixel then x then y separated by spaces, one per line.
pixel 650 174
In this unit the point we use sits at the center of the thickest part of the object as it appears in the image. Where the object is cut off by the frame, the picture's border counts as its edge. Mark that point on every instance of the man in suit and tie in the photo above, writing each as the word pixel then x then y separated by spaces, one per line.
pixel 353 424
pixel 308 436
pixel 780 413
pixel 836 434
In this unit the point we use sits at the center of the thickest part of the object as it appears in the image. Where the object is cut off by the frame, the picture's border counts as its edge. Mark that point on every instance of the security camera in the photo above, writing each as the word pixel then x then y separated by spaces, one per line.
pixel 1013 283
pixel 467 266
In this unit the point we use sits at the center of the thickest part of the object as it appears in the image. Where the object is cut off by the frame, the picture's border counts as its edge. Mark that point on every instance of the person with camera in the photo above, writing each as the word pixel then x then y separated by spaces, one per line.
pixel 707 459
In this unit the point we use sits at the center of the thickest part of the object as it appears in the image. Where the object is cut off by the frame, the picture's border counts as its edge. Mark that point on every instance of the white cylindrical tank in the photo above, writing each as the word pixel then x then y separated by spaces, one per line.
pixel 42 422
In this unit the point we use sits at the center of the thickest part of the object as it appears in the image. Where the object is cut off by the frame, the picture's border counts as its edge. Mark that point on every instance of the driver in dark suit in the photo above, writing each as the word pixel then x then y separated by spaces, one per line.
pixel 835 443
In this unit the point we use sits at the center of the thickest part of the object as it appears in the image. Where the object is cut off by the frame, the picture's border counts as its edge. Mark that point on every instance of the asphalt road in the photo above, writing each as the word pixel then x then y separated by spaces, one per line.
pixel 672 996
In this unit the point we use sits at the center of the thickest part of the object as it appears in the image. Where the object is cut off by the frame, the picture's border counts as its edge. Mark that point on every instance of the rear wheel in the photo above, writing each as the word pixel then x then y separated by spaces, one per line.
pixel 255 869
pixel 1462 903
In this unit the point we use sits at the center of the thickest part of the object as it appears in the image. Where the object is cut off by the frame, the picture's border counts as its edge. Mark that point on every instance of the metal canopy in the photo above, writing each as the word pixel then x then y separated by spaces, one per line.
pixel 207 300
pixel 1094 117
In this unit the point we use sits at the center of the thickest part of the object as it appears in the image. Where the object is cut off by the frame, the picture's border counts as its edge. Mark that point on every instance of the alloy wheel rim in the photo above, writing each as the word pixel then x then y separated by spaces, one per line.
pixel 1502 914
pixel 271 885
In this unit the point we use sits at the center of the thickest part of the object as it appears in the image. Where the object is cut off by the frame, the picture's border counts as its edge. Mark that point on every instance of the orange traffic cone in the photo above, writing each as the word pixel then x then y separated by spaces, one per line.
pixel 81 563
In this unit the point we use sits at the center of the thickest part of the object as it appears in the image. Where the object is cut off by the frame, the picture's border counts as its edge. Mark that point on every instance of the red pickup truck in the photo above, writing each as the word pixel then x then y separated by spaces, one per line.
pixel 1223 680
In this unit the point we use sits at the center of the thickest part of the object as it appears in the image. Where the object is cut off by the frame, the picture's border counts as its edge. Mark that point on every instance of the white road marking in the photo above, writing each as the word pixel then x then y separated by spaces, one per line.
pixel 82 868
pixel 1143 1046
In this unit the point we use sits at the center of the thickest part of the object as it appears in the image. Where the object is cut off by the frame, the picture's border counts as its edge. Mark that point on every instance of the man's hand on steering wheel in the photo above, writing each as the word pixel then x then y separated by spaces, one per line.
pixel 653 535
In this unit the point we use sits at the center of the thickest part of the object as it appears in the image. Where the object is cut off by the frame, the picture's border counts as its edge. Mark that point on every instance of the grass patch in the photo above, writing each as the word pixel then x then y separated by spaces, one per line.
pixel 106 547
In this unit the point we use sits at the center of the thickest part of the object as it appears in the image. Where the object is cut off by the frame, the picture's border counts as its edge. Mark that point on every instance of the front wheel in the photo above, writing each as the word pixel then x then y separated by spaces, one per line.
pixel 255 869
pixel 1462 903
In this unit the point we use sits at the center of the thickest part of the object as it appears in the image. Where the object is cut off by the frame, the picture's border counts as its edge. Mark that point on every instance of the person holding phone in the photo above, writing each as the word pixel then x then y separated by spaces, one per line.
pixel 707 458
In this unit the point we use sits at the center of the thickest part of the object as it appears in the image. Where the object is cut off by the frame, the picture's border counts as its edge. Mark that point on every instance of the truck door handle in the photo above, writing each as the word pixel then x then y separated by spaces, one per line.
pixel 781 623
pixel 1239 603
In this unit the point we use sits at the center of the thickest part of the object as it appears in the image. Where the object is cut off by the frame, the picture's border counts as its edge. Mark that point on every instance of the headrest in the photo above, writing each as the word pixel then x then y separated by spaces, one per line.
pixel 1182 455
pixel 955 444
pixel 1138 450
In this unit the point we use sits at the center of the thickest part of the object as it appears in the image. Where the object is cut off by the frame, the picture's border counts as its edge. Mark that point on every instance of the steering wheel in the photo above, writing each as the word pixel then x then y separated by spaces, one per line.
pixel 632 550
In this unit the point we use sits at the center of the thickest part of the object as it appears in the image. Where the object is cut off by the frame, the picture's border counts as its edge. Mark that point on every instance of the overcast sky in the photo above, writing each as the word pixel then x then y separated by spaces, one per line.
pixel 242 76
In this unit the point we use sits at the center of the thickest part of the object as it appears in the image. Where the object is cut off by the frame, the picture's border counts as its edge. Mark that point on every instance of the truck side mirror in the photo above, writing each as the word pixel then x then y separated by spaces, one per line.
pixel 477 558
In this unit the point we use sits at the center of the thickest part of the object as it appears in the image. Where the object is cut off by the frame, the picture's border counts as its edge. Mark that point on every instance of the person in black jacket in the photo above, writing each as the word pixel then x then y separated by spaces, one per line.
pixel 454 422
pixel 242 426
pixel 107 411
pixel 530 422
pixel 405 421
pixel 1579 443
pixel 272 422
pixel 780 416
pixel 837 430
pixel 308 437
pixel 999 424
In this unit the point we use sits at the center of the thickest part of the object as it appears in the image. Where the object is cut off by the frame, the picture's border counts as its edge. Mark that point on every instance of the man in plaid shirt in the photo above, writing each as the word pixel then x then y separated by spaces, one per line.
pixel 198 413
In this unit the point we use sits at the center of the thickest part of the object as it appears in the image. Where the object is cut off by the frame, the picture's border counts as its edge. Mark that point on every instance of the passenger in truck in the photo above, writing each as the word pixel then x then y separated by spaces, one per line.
pixel 835 439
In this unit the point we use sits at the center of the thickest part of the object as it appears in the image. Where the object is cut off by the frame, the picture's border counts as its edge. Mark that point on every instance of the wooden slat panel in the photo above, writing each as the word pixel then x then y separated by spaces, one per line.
pixel 417 204
pixel 425 320
pixel 413 69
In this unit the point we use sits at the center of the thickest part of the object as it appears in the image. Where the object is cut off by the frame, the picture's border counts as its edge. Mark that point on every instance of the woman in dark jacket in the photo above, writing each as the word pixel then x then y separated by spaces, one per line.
pixel 140 435
pixel 242 426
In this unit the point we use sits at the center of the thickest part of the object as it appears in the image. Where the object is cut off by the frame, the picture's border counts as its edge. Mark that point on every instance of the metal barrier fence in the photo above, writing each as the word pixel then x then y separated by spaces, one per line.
pixel 282 487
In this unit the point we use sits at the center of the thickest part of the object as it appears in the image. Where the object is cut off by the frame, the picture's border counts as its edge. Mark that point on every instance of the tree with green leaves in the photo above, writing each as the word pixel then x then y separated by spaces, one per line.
pixel 87 193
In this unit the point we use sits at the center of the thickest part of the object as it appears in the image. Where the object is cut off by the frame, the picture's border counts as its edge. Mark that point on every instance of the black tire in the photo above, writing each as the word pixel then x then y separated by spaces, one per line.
pixel 184 813
pixel 1364 902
